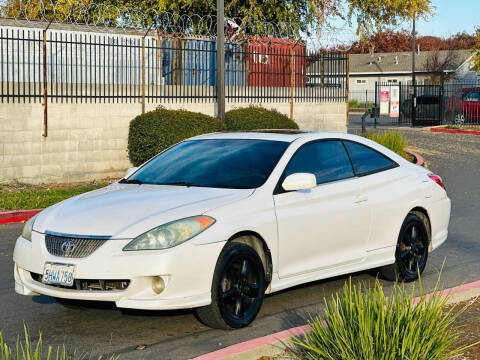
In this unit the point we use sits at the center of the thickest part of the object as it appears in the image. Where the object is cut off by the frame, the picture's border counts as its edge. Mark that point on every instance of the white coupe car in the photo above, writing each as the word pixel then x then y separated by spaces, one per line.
pixel 217 221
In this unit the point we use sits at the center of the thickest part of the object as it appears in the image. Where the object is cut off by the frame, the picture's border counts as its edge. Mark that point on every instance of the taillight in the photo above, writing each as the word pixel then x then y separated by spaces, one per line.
pixel 437 179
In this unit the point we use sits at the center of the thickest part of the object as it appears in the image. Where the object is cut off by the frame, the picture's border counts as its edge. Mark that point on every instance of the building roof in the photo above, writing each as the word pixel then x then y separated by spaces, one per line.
pixel 398 62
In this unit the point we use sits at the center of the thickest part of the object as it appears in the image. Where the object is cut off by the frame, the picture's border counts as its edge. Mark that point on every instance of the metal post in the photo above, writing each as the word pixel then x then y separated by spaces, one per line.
pixel 292 79
pixel 45 82
pixel 376 105
pixel 45 85
pixel 143 75
pixel 143 68
pixel 220 60
pixel 347 89
pixel 414 96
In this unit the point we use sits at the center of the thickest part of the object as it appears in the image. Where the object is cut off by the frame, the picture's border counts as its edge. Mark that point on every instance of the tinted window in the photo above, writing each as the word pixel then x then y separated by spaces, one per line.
pixel 230 163
pixel 474 96
pixel 366 160
pixel 327 160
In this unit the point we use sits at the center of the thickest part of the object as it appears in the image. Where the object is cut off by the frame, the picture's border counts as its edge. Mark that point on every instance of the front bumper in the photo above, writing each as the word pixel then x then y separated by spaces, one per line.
pixel 186 269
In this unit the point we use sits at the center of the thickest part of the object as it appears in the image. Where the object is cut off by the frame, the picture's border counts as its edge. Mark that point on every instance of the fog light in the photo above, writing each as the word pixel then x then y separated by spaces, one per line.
pixel 158 285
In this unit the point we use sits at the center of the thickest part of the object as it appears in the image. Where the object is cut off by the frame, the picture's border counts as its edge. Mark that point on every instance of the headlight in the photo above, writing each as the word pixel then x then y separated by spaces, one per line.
pixel 27 228
pixel 171 234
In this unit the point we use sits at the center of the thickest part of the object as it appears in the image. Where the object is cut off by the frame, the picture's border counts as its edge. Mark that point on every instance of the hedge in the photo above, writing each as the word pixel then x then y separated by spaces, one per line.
pixel 254 117
pixel 154 131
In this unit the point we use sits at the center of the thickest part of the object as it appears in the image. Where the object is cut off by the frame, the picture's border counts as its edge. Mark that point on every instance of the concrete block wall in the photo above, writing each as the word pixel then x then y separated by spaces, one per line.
pixel 89 141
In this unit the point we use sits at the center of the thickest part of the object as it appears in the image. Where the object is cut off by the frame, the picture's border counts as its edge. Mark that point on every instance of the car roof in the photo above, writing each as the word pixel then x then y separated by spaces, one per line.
pixel 285 135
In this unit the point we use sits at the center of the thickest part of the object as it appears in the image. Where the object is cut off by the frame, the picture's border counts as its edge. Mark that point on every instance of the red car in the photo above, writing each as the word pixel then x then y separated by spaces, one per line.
pixel 464 106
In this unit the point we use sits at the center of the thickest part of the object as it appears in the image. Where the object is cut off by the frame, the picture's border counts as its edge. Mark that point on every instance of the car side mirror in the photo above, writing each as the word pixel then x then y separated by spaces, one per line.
pixel 299 181
pixel 130 171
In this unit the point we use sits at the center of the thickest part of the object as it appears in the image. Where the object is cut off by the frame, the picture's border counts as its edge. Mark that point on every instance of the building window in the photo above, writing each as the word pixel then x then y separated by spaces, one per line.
pixel 392 80
pixel 361 81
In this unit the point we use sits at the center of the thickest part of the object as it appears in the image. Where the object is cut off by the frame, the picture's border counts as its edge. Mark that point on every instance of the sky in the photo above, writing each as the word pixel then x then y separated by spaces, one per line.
pixel 451 17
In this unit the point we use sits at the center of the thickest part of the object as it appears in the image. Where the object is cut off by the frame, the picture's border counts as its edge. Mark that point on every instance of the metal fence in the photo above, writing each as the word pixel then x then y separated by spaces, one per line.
pixel 76 66
pixel 456 102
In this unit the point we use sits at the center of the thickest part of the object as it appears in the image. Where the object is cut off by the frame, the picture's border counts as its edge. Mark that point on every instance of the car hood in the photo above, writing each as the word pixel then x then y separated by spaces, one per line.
pixel 125 211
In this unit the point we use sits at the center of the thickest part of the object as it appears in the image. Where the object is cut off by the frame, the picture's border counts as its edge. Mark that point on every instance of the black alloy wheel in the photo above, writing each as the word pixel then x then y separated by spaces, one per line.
pixel 411 252
pixel 238 288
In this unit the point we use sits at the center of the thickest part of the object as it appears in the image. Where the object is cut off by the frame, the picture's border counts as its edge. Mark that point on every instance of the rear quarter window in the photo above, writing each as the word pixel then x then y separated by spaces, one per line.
pixel 366 160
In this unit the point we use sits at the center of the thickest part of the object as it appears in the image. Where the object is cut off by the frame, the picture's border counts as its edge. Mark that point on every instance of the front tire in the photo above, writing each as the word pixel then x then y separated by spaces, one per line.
pixel 411 253
pixel 238 288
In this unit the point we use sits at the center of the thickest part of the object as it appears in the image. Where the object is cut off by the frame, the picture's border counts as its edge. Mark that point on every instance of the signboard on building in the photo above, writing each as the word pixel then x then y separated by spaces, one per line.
pixel 394 101
pixel 384 100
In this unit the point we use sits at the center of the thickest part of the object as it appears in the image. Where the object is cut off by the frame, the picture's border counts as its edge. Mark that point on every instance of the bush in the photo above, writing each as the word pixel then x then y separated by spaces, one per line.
pixel 152 132
pixel 365 325
pixel 255 118
pixel 394 141
pixel 27 350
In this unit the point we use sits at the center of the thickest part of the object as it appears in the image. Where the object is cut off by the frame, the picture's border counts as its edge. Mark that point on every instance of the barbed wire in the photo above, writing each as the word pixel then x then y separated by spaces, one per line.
pixel 128 18
pixel 95 16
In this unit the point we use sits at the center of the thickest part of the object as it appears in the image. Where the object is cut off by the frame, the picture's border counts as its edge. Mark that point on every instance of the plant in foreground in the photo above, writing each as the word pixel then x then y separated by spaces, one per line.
pixel 28 350
pixel 365 324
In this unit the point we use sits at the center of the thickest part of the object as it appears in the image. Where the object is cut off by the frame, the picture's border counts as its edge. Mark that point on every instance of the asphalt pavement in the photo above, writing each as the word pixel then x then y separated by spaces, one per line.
pixel 100 328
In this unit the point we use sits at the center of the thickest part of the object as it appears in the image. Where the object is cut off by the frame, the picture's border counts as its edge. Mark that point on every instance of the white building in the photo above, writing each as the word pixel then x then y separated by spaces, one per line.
pixel 396 67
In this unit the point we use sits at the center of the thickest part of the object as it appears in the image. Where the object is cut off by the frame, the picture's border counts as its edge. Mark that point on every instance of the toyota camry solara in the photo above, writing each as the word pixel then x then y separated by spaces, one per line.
pixel 217 221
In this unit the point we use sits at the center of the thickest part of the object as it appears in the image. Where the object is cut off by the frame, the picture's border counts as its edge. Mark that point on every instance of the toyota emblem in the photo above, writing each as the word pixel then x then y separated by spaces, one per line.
pixel 68 247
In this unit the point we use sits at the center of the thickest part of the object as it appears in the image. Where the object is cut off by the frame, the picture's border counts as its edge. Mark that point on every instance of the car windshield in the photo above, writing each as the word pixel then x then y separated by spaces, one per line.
pixel 222 163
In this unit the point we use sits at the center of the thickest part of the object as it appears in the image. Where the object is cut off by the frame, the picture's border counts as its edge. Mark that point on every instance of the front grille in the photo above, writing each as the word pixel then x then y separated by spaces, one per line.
pixel 89 284
pixel 71 247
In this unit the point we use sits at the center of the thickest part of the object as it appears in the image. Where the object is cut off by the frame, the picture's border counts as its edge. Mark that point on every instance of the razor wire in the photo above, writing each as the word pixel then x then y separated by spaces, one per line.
pixel 127 19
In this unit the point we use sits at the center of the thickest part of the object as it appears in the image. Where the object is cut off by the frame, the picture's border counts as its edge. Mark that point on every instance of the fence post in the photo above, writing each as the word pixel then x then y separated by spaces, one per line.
pixel 347 88
pixel 143 68
pixel 292 78
pixel 45 82
pixel 376 94
pixel 322 71
pixel 220 60
pixel 143 75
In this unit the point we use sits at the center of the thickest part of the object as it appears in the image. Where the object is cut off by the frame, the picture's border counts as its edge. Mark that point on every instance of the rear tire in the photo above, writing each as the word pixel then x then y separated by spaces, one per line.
pixel 238 288
pixel 411 253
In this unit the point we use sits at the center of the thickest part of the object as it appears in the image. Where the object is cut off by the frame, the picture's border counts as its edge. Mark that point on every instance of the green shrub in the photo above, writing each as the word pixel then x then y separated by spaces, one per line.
pixel 394 141
pixel 152 132
pixel 255 117
pixel 27 350
pixel 365 324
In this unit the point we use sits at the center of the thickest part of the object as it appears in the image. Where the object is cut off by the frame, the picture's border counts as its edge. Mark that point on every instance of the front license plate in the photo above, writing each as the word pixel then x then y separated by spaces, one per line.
pixel 58 274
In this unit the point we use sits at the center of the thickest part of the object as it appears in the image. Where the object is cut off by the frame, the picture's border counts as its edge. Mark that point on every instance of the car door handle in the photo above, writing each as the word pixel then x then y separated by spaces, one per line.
pixel 361 198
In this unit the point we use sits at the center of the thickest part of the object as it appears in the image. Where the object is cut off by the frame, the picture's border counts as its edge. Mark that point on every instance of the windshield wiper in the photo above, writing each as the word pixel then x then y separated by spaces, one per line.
pixel 179 183
pixel 132 181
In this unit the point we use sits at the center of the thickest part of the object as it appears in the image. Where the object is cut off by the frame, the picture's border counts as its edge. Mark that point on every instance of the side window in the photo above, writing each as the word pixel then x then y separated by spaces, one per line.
pixel 327 160
pixel 473 96
pixel 366 160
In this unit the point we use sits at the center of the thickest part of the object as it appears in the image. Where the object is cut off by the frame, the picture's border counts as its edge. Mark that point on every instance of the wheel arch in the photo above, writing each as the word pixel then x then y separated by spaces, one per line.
pixel 256 241
pixel 422 213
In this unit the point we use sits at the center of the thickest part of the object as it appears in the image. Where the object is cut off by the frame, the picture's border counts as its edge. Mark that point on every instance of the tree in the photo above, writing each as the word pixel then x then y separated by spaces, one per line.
pixel 476 52
pixel 439 61
pixel 301 16
pixel 396 41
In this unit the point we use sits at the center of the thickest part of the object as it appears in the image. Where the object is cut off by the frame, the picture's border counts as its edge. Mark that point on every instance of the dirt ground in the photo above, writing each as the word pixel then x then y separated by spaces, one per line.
pixel 469 326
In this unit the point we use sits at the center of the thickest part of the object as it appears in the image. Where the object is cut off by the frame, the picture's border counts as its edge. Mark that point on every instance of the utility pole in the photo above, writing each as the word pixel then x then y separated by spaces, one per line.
pixel 414 95
pixel 220 60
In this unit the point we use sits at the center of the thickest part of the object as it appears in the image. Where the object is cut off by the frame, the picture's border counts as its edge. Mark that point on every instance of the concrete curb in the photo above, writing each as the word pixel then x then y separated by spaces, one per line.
pixel 454 131
pixel 273 344
pixel 17 215
pixel 419 160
